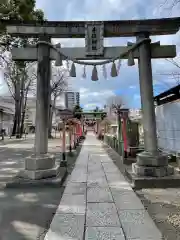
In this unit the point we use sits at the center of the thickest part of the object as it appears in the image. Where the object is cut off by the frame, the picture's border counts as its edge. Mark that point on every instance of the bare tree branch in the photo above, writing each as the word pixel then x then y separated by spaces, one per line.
pixel 59 80
pixel 176 62
pixel 30 83
pixel 175 72
pixel 115 102
pixel 169 4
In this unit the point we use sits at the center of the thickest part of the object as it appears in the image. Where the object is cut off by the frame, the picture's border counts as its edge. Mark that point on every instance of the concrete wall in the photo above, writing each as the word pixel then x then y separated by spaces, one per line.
pixel 6 122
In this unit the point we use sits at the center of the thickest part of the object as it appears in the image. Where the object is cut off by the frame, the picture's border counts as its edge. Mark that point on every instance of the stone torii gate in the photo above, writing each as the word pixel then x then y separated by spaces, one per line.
pixel 150 162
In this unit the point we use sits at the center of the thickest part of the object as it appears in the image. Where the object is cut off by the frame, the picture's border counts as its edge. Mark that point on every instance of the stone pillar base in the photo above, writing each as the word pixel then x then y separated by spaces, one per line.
pixel 178 160
pixel 147 159
pixel 152 165
pixel 38 167
pixel 152 171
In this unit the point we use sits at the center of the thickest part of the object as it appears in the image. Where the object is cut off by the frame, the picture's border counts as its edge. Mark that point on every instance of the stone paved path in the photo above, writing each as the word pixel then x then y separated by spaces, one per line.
pixel 98 203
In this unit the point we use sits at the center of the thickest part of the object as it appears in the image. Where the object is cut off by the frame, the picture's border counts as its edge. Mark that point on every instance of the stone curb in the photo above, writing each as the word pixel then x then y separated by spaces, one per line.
pixel 48 182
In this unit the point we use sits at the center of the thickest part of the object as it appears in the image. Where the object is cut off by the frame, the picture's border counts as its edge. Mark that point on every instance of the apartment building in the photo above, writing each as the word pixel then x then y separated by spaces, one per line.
pixel 71 99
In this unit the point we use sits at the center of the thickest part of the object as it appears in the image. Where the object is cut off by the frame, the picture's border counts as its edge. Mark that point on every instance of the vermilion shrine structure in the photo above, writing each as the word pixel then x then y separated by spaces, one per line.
pixel 150 162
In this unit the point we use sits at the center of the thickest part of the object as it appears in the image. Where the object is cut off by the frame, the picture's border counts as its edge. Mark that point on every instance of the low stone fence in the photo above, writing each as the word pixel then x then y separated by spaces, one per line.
pixel 112 141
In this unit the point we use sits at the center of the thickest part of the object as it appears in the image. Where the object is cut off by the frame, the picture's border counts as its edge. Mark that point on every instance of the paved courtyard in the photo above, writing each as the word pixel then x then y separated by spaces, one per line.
pixel 26 213
pixel 98 203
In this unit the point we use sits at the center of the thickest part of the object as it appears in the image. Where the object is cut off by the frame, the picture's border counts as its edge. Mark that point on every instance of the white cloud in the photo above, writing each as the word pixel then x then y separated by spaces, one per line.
pixel 90 106
pixel 109 9
pixel 67 42
pixel 89 98
pixel 132 87
pixel 83 90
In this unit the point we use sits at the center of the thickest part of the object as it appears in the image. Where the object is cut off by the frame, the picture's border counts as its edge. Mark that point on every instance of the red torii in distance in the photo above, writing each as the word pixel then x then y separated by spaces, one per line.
pixel 77 130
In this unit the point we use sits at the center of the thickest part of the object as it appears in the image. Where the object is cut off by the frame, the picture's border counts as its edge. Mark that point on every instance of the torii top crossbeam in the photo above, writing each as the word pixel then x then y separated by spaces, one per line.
pixel 76 29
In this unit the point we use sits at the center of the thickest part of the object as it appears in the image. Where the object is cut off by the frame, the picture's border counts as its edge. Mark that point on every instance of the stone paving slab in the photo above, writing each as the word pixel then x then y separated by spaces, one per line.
pixel 105 159
pixel 137 224
pixel 102 214
pixel 126 200
pixel 97 184
pixel 115 177
pixel 75 188
pixel 95 170
pixel 96 177
pixel 66 226
pixel 96 173
pixel 117 182
pixel 78 173
pixel 94 164
pixel 104 233
pixel 95 194
pixel 72 204
pixel 110 167
pixel 100 182
pixel 78 177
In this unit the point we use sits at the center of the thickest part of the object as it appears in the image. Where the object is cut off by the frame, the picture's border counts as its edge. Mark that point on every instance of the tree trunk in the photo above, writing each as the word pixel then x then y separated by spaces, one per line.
pixel 20 108
pixel 50 123
pixel 14 125
pixel 18 120
pixel 23 107
pixel 17 108
pixel 22 123
pixel 23 115
pixel 51 111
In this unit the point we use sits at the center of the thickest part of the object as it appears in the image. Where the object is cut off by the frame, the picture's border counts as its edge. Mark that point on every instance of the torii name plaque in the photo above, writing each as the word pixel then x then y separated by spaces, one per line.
pixel 94 35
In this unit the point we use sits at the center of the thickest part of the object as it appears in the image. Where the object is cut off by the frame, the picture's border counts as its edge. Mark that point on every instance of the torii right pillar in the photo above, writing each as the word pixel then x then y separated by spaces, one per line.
pixel 151 162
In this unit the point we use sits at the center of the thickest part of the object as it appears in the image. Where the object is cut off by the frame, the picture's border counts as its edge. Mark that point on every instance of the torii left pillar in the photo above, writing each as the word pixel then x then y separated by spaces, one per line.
pixel 41 164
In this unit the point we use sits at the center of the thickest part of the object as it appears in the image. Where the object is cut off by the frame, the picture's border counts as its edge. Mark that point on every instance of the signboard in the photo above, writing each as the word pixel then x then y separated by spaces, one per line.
pixel 94 32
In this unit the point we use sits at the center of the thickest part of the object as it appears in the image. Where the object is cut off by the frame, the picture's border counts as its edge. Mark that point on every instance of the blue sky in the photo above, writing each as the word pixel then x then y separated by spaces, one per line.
pixel 127 83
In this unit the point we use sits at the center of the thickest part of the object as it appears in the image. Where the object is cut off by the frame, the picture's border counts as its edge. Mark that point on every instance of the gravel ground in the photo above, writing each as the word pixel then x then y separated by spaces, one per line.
pixel 163 205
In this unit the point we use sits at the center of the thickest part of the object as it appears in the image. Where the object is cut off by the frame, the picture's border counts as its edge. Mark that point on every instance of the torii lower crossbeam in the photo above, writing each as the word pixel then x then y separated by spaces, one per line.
pixel 30 54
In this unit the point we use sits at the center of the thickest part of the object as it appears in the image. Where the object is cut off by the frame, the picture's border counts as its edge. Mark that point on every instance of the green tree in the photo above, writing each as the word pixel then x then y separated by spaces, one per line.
pixel 103 115
pixel 23 10
pixel 77 112
pixel 97 110
pixel 20 10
